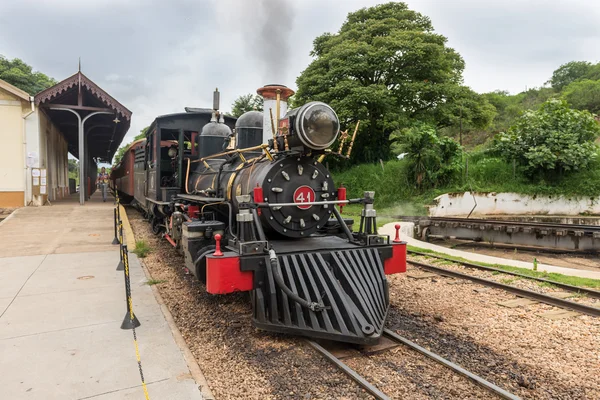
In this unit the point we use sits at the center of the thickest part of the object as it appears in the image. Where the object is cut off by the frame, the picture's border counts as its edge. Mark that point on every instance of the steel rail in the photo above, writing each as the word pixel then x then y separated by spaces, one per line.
pixel 590 292
pixel 532 224
pixel 449 364
pixel 542 298
pixel 362 382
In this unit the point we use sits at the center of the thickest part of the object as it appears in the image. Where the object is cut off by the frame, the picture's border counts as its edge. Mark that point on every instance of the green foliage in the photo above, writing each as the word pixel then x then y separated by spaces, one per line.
pixel 463 107
pixel 73 165
pixel 385 67
pixel 245 103
pixel 21 75
pixel 569 73
pixel 510 107
pixel 432 160
pixel 142 134
pixel 550 141
pixel 142 249
pixel 583 95
pixel 397 194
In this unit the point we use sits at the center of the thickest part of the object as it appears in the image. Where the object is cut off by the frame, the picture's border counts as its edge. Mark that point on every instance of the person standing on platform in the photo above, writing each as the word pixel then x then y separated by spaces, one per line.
pixel 103 182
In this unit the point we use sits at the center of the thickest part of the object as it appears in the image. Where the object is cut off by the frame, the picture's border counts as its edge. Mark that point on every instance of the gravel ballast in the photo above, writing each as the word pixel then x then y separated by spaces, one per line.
pixel 513 348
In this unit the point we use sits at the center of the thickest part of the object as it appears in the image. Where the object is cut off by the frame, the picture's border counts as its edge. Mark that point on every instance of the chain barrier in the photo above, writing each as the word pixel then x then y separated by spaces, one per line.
pixel 130 321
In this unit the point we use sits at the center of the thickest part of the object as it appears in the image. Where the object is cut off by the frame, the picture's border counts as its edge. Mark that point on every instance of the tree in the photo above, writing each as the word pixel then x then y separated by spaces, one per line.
pixel 433 160
pixel 583 95
pixel 384 67
pixel 142 134
pixel 553 140
pixel 245 103
pixel 463 106
pixel 568 73
pixel 508 109
pixel 21 75
pixel 73 165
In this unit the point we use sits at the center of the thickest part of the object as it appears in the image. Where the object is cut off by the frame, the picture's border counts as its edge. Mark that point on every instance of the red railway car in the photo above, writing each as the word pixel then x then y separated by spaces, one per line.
pixel 122 174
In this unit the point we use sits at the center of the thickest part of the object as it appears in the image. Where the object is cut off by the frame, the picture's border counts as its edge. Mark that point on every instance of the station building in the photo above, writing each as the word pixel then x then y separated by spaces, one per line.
pixel 38 132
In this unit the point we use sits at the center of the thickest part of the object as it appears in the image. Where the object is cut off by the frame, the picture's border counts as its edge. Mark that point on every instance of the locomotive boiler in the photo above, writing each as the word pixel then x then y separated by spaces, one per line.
pixel 252 208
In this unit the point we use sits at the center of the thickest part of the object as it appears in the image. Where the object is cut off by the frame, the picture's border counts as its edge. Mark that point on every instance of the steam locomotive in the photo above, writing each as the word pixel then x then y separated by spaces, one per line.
pixel 251 206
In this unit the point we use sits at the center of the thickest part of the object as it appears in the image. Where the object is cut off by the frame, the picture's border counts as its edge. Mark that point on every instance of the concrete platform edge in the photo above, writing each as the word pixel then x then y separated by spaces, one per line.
pixel 12 214
pixel 190 360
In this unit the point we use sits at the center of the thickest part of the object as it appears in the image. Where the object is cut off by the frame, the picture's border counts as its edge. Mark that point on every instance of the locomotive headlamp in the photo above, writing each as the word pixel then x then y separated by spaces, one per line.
pixel 317 125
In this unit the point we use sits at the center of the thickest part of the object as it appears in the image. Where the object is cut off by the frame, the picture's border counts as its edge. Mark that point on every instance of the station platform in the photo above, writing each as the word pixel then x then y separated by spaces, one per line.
pixel 406 227
pixel 61 307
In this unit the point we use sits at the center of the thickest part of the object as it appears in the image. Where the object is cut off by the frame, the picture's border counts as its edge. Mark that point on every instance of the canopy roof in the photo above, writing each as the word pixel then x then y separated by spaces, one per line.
pixel 104 132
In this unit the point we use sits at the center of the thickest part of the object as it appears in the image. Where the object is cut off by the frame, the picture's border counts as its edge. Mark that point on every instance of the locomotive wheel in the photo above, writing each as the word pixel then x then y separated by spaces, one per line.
pixel 157 227
pixel 200 262
pixel 425 234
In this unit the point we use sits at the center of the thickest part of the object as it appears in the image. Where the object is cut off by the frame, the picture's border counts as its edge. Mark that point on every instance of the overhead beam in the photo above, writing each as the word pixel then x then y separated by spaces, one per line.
pixel 82 108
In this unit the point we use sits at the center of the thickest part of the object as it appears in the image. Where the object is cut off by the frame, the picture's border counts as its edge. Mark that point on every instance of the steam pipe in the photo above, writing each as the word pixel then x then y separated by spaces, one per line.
pixel 273 267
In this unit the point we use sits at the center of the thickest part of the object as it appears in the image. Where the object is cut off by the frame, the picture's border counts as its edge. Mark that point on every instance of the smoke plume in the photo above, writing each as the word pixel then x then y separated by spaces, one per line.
pixel 269 37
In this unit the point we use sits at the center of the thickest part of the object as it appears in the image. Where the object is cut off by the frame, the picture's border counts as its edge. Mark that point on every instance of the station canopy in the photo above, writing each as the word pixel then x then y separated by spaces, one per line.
pixel 104 132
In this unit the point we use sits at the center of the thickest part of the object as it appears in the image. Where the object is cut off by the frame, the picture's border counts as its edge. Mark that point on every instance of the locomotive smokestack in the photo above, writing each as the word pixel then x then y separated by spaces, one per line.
pixel 269 94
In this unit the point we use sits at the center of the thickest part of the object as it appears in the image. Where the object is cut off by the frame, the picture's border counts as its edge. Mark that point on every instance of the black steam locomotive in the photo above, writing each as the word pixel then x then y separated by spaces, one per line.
pixel 252 208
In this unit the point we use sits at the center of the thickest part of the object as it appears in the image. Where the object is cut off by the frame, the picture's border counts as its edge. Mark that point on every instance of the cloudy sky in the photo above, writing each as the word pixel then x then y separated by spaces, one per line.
pixel 157 57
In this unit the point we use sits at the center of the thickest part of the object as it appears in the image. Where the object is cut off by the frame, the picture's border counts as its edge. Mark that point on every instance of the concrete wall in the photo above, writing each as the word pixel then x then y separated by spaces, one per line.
pixel 12 163
pixel 461 204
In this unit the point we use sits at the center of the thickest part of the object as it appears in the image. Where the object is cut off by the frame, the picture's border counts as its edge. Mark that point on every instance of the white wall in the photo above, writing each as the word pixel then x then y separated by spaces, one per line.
pixel 461 204
pixel 11 148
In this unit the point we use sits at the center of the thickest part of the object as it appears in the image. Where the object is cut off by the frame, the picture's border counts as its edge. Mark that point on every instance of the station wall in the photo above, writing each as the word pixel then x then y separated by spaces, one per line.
pixel 461 204
pixel 12 164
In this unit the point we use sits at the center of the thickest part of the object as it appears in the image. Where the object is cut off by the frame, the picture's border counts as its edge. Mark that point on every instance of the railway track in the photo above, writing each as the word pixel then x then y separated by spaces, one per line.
pixel 521 224
pixel 540 297
pixel 379 395
pixel 575 289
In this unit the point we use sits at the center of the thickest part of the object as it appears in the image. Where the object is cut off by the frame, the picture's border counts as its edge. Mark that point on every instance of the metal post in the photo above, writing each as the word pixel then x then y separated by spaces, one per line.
pixel 116 239
pixel 121 265
pixel 130 321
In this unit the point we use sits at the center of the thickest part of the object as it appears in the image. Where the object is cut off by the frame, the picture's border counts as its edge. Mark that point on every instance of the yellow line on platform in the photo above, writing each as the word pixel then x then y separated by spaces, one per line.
pixel 127 231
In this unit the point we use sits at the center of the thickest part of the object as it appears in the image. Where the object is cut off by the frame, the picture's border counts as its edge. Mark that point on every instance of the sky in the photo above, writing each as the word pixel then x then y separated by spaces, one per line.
pixel 157 57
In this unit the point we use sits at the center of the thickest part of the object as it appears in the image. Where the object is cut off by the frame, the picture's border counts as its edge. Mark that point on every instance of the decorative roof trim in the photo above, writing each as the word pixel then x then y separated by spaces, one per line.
pixel 14 90
pixel 73 81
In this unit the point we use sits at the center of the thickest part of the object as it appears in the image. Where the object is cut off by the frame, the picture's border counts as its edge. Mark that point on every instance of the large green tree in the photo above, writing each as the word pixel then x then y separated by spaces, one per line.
pixel 385 67
pixel 583 95
pixel 247 102
pixel 568 73
pixel 551 141
pixel 21 75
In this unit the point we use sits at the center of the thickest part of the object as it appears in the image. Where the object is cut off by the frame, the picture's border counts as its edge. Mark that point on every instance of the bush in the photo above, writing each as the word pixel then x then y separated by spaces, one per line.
pixel 551 141
pixel 432 160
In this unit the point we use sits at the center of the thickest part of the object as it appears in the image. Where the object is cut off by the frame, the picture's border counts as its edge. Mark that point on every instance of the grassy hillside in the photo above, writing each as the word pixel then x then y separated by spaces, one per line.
pixel 396 194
